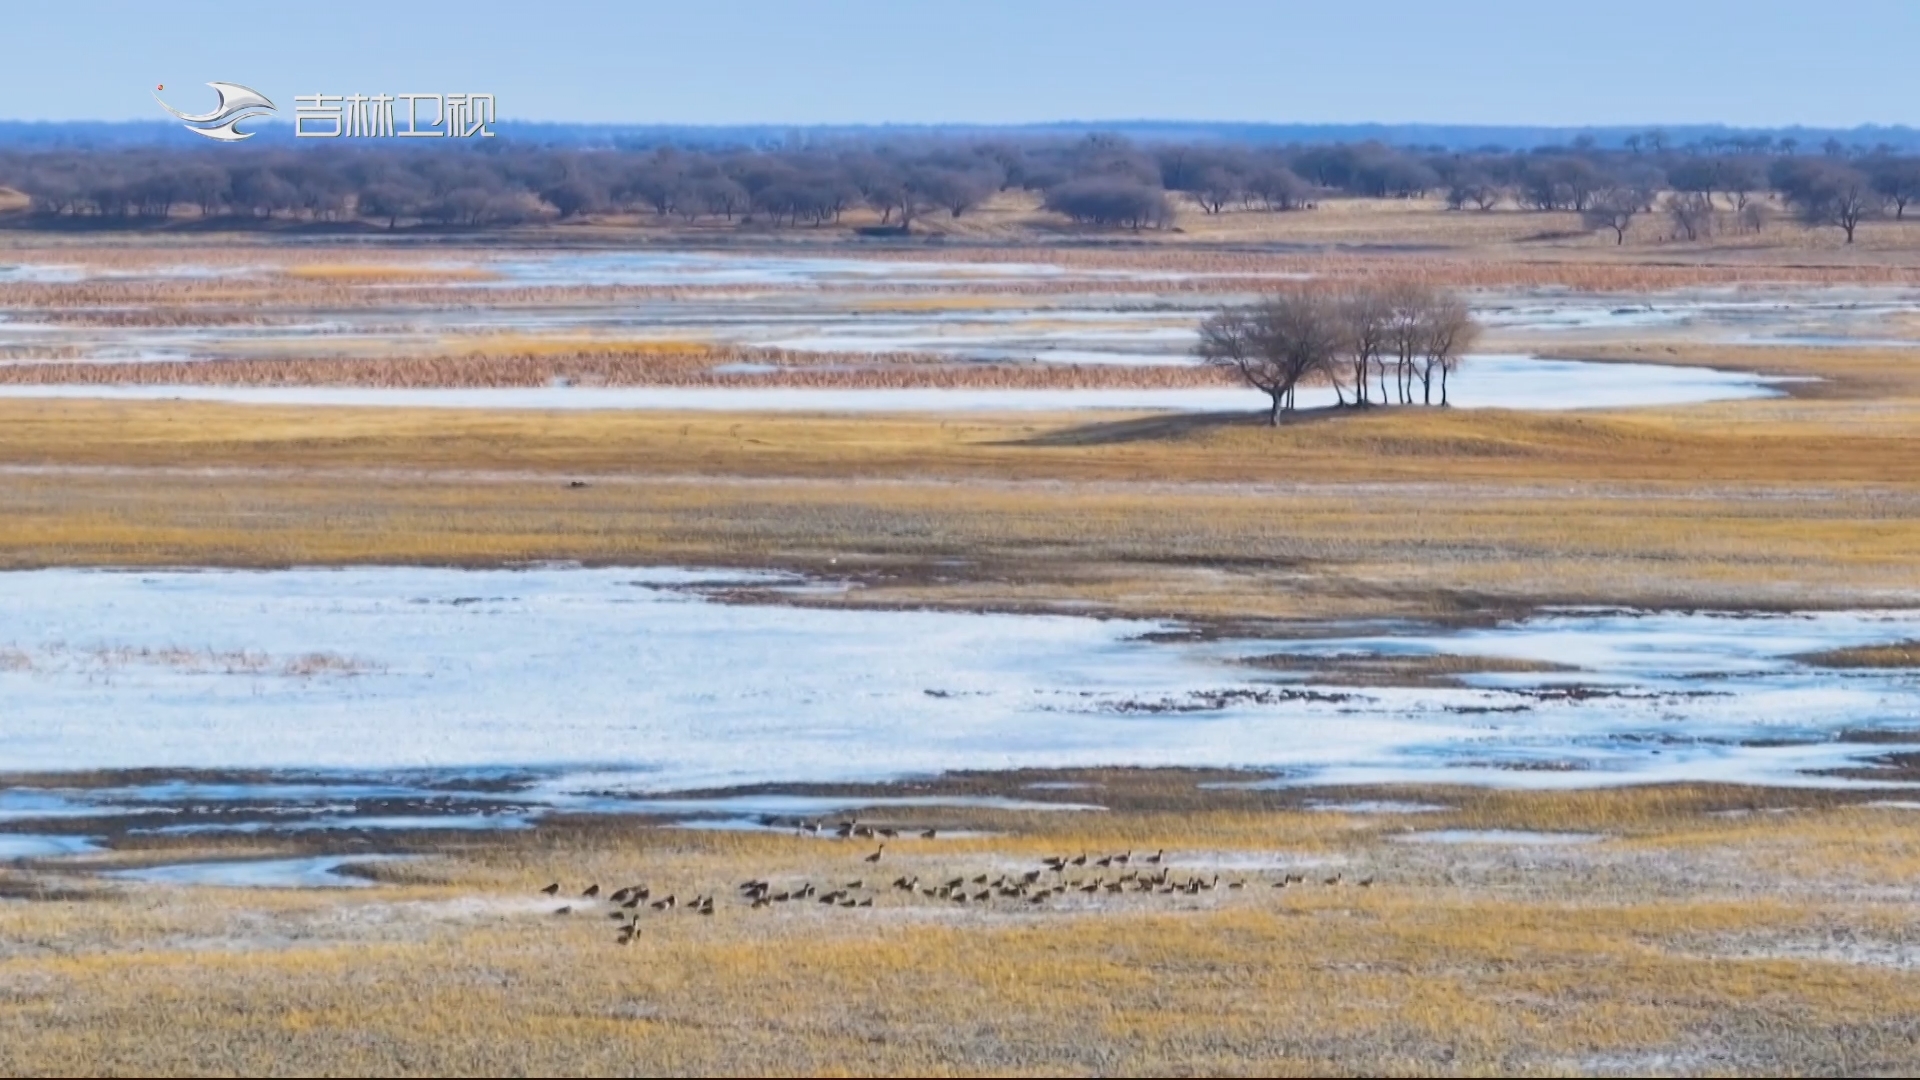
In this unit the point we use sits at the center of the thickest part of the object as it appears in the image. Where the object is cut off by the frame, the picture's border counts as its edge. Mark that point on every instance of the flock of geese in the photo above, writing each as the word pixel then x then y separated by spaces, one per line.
pixel 1057 876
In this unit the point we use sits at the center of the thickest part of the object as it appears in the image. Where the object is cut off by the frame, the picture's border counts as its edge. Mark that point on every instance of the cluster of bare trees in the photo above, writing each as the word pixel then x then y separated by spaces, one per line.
pixel 1097 180
pixel 1393 343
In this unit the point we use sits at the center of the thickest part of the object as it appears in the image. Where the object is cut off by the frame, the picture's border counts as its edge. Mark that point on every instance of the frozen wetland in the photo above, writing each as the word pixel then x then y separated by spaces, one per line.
pixel 380 698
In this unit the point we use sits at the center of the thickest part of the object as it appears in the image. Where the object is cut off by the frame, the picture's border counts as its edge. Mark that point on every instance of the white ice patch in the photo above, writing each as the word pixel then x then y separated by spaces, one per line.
pixel 322 872
pixel 1517 837
pixel 1485 382
pixel 586 689
pixel 16 846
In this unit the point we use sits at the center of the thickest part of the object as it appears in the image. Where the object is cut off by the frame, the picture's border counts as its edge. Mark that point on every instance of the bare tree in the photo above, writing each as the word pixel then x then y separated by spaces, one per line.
pixel 1614 208
pixel 1448 331
pixel 1897 179
pixel 1349 338
pixel 1691 213
pixel 1836 195
pixel 1273 344
pixel 1364 318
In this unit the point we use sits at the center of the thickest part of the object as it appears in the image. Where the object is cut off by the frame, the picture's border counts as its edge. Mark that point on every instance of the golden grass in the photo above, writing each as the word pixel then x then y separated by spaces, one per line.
pixel 1429 513
pixel 1901 654
pixel 1435 669
pixel 1770 942
pixel 363 274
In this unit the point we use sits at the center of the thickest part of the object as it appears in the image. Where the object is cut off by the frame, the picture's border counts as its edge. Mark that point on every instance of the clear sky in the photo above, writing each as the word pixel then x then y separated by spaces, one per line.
pixel 1754 63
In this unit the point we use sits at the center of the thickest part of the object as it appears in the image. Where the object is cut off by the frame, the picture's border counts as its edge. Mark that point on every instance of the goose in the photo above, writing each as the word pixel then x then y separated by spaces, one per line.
pixel 875 857
pixel 1157 856
pixel 551 889
pixel 1366 882
pixel 567 910
pixel 868 902
pixel 1106 860
pixel 1124 859
pixel 982 896
pixel 618 895
pixel 1334 880
pixel 860 884
pixel 591 891
pixel 927 834
pixel 664 904
pixel 1080 860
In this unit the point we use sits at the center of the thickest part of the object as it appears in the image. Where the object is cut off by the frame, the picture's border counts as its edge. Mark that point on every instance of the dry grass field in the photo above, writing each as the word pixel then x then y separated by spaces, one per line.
pixel 1704 930
pixel 1802 501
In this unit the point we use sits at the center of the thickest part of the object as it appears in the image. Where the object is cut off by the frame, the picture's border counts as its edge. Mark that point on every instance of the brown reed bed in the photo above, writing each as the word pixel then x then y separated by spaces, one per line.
pixel 702 367
pixel 1213 272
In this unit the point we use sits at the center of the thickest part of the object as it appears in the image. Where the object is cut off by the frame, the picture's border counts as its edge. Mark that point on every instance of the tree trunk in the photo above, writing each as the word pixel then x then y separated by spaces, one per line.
pixel 1273 413
pixel 1443 386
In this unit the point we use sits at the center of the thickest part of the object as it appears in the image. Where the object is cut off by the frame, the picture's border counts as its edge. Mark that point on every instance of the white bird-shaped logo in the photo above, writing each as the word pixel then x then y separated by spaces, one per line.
pixel 237 103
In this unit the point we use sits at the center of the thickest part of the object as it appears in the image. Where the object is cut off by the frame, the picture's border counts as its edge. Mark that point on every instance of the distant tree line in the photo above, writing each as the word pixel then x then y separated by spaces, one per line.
pixel 1393 343
pixel 1097 180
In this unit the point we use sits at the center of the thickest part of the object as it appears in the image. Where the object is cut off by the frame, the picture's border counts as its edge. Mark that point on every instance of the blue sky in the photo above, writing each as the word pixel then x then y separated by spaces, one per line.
pixel 1757 63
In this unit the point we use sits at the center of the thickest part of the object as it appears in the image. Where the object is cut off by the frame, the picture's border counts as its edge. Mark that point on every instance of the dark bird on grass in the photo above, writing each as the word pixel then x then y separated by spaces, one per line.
pixel 1334 880
pixel 860 884
pixel 1157 856
pixel 868 902
pixel 619 895
pixel 927 834
pixel 551 889
pixel 1079 860
pixel 707 907
pixel 875 857
pixel 591 891
pixel 1366 882
pixel 1237 885
pixel 1124 859
pixel 889 833
pixel 1104 861
pixel 627 934
pixel 567 910
pixel 849 902
pixel 663 904
pixel 577 483
pixel 902 883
